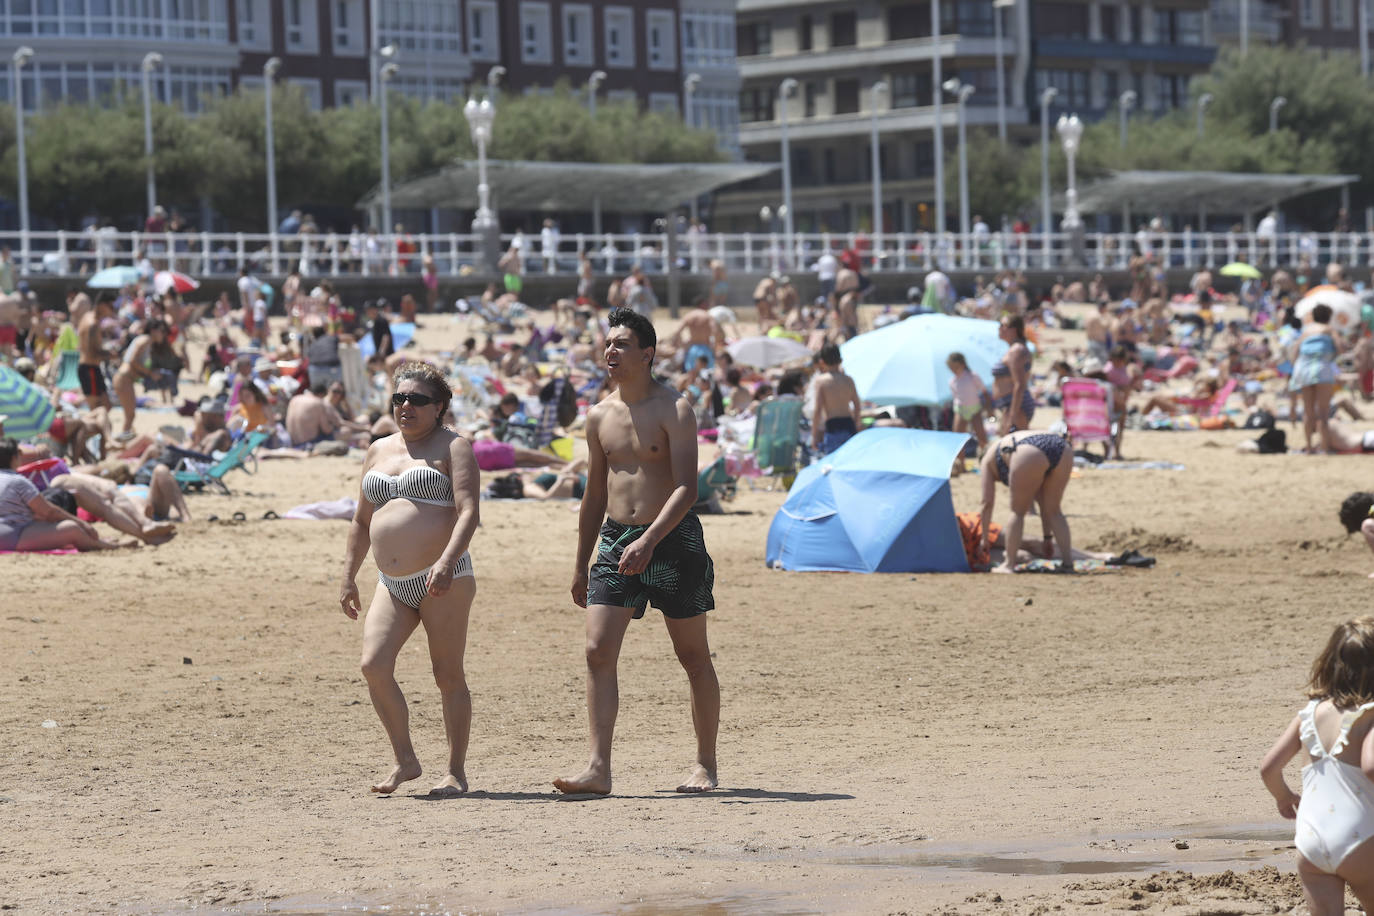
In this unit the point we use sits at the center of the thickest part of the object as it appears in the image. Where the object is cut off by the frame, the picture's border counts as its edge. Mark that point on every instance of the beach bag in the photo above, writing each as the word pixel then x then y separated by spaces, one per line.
pixel 509 486
pixel 1273 441
pixel 567 400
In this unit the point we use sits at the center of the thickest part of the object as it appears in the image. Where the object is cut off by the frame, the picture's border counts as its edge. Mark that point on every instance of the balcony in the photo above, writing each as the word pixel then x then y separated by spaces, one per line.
pixel 866 56
pixel 902 120
pixel 1196 55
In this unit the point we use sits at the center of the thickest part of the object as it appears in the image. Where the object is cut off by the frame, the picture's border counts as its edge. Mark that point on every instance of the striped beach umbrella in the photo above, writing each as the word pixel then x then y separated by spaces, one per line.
pixel 28 411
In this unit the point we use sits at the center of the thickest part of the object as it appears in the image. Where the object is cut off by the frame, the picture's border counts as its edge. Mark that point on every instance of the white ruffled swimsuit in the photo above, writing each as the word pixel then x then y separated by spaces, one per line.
pixel 1336 814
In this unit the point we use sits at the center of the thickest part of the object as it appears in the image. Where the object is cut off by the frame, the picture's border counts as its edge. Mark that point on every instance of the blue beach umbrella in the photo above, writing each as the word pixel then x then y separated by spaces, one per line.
pixel 28 411
pixel 113 277
pixel 878 503
pixel 904 363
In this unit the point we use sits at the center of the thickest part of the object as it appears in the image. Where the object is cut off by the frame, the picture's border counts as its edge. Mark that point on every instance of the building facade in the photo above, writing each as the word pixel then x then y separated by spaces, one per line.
pixel 91 51
pixel 1091 51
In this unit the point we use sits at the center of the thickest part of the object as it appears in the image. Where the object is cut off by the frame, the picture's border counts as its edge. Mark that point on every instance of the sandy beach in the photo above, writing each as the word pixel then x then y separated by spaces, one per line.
pixel 890 743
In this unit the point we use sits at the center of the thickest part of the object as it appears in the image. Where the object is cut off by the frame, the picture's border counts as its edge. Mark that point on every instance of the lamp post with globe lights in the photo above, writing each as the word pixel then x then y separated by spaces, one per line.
pixel 1274 106
pixel 480 116
pixel 1126 103
pixel 1046 214
pixel 1202 102
pixel 151 61
pixel 1071 133
pixel 961 94
pixel 269 71
pixel 594 82
pixel 876 163
pixel 785 90
pixel 22 56
pixel 385 74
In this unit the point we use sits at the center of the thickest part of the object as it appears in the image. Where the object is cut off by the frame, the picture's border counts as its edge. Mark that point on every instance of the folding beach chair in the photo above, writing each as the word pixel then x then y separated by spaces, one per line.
pixel 194 472
pixel 777 437
pixel 1213 406
pixel 66 377
pixel 1087 410
pixel 714 484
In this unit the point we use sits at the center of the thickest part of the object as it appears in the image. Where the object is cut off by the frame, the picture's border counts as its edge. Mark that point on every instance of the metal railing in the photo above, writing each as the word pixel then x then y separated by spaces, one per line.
pixel 210 255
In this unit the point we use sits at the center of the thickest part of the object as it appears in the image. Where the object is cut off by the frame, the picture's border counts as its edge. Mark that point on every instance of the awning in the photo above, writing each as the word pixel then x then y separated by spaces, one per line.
pixel 1218 192
pixel 570 186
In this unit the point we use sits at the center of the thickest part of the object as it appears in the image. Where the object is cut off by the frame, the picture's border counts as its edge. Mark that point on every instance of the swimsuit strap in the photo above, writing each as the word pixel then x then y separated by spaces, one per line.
pixel 1307 730
pixel 1348 720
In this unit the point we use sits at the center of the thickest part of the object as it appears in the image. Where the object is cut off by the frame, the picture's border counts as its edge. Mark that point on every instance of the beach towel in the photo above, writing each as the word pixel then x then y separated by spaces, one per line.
pixel 332 509
pixel 57 552
pixel 1079 566
pixel 1135 466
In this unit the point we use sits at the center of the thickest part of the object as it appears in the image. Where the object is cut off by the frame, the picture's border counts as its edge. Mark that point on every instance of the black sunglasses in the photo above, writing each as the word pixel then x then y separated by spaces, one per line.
pixel 419 400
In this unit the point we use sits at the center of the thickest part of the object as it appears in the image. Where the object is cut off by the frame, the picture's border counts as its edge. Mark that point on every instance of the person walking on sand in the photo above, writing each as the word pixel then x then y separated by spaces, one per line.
pixel 92 353
pixel 417 511
pixel 835 408
pixel 1335 813
pixel 642 481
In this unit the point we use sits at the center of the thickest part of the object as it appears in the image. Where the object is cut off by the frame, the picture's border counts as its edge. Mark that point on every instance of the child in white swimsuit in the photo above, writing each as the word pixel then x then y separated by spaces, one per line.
pixel 1335 813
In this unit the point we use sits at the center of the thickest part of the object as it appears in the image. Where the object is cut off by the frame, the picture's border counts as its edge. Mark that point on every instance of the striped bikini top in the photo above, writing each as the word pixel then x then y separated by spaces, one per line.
pixel 420 484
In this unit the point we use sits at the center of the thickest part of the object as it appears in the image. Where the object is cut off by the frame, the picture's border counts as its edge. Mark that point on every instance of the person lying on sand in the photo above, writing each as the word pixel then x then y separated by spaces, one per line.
pixel 141 512
pixel 30 522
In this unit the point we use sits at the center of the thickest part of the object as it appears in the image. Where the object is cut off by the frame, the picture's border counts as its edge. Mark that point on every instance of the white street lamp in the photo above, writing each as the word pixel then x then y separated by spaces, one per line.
pixel 938 133
pixel 1363 25
pixel 785 90
pixel 879 89
pixel 385 75
pixel 593 83
pixel 151 61
pixel 269 71
pixel 1244 27
pixel 1202 102
pixel 1070 132
pixel 494 80
pixel 1125 104
pixel 961 93
pixel 997 7
pixel 21 58
pixel 689 117
pixel 480 116
pixel 1046 214
pixel 1274 106
pixel 596 78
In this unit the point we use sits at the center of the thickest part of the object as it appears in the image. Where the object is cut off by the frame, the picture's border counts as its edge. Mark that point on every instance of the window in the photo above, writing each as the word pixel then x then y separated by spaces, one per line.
pixel 1110 22
pixel 662 43
pixel 846 96
pixel 1342 14
pixel 984 83
pixel 1171 90
pixel 302 34
pixel 1062 20
pixel 1310 14
pixel 484 41
pixel 535 38
pixel 577 34
pixel 925 160
pixel 966 17
pixel 311 89
pixel 255 25
pixel 910 89
pixel 757 104
pixel 843 29
pixel 348 93
pixel 708 39
pixel 828 165
pixel 1072 86
pixel 810 91
pixel 804 28
pixel 907 20
pixel 620 36
pixel 348 27
pixel 754 38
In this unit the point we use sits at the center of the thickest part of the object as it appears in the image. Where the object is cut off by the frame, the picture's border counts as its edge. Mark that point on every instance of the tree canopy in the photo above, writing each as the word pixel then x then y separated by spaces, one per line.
pixel 90 160
pixel 1326 126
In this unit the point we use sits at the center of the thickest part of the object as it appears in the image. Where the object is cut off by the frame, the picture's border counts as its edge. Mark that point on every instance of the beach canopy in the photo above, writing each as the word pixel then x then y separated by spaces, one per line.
pixel 904 363
pixel 27 409
pixel 879 503
pixel 113 277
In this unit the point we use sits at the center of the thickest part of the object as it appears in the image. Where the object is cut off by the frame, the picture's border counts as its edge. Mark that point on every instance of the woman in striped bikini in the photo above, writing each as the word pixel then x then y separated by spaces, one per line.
pixel 418 512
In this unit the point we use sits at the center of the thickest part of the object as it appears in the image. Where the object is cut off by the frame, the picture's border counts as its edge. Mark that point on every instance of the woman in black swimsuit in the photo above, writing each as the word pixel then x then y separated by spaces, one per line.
pixel 1035 466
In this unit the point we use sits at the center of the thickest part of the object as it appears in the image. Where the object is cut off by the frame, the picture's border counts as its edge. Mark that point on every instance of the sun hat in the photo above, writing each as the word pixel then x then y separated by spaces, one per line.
pixel 264 365
pixel 1092 366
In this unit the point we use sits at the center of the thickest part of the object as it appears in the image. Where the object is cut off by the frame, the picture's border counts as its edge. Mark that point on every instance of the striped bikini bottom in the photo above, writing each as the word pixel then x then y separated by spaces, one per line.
pixel 412 589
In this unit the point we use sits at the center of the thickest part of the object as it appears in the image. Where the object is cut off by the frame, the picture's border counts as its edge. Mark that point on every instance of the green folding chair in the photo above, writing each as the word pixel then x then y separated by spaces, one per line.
pixel 193 474
pixel 714 484
pixel 67 377
pixel 777 438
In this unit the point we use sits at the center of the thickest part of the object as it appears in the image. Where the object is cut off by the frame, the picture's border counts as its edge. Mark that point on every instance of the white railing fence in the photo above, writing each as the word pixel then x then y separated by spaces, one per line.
pixel 209 254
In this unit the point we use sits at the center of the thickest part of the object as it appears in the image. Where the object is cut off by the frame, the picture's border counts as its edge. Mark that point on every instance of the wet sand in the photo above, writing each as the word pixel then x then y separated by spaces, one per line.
pixel 889 743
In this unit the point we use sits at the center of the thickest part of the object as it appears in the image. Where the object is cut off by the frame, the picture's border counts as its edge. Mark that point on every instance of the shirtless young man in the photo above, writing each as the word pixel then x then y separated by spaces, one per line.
pixel 310 419
pixel 134 367
pixel 698 335
pixel 835 410
pixel 93 352
pixel 642 452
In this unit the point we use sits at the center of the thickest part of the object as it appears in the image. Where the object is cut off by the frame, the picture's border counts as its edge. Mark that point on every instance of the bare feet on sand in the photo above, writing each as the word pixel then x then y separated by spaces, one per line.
pixel 701 780
pixel 159 533
pixel 1002 568
pixel 450 786
pixel 404 772
pixel 591 782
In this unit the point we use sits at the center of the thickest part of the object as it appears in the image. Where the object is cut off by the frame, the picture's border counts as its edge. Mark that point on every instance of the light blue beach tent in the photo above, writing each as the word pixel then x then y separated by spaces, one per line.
pixel 879 503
